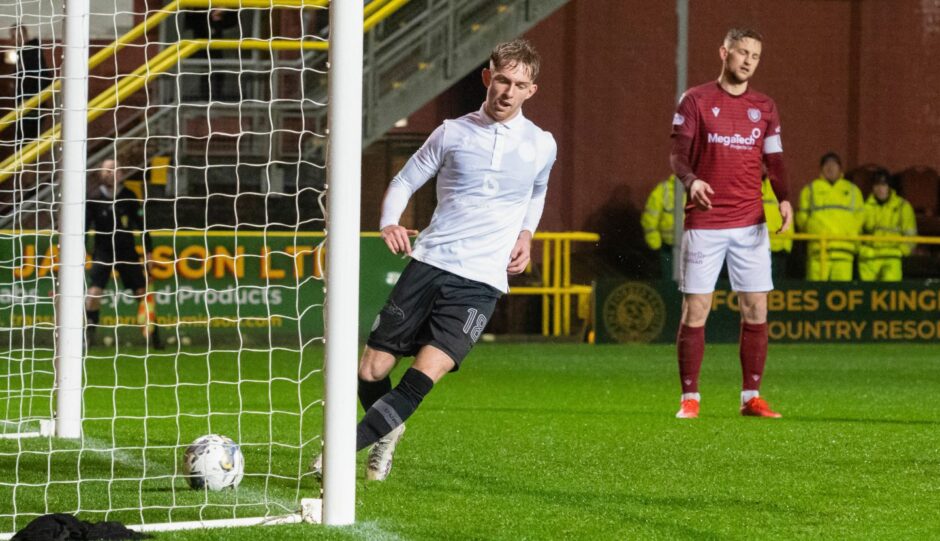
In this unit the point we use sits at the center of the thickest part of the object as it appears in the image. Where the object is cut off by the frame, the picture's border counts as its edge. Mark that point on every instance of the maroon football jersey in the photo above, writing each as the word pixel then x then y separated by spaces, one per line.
pixel 730 135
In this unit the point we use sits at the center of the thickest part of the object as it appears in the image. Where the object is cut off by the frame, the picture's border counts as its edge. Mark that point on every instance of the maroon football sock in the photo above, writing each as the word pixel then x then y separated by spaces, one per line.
pixel 753 355
pixel 691 347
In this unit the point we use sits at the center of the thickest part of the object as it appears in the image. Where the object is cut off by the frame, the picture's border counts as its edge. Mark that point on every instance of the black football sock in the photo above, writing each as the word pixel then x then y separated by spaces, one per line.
pixel 370 391
pixel 393 409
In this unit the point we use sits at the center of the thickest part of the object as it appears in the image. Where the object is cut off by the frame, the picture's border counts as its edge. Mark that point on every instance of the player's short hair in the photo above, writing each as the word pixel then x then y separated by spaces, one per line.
pixel 517 51
pixel 735 35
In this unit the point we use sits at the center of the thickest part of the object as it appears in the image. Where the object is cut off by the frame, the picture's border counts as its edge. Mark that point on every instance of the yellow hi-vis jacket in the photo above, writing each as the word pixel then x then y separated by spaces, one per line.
pixel 659 216
pixel 774 219
pixel 835 208
pixel 894 217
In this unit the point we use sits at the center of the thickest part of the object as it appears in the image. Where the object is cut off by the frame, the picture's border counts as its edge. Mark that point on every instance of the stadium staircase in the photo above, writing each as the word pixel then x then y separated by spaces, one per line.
pixel 413 51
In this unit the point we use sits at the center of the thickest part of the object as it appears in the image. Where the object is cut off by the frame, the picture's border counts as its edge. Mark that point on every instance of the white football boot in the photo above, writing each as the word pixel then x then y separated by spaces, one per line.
pixel 381 454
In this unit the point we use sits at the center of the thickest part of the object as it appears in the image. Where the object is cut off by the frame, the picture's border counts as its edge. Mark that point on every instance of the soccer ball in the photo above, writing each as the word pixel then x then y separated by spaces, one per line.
pixel 213 462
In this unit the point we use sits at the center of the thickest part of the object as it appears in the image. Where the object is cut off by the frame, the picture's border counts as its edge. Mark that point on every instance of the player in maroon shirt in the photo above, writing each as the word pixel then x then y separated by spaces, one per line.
pixel 724 135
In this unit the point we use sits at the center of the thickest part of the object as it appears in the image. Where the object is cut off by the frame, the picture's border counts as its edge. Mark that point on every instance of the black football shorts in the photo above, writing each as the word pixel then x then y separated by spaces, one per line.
pixel 434 307
pixel 132 273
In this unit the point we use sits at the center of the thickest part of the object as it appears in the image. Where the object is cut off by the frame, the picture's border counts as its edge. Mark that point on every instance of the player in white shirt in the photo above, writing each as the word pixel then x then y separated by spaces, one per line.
pixel 492 168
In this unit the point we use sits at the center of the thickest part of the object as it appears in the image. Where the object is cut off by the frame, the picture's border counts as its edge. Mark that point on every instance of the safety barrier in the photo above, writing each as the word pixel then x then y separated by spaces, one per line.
pixel 824 241
pixel 556 289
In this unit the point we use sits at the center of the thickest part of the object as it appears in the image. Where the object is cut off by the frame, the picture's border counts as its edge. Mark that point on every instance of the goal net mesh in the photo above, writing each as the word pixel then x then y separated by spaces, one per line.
pixel 206 132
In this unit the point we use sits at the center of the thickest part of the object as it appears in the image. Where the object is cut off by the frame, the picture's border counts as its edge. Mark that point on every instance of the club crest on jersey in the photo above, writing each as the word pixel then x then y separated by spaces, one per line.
pixel 753 114
pixel 715 111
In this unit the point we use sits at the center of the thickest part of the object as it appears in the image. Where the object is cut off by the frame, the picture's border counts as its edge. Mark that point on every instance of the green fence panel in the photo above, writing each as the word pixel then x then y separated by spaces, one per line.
pixel 204 284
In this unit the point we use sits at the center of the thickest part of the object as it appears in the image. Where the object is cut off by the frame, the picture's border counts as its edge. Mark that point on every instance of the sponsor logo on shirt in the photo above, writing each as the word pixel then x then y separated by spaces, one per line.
pixel 678 120
pixel 715 111
pixel 736 141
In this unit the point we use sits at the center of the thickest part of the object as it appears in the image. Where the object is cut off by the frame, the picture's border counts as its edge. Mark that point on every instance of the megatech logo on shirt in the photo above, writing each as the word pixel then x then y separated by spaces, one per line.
pixel 736 141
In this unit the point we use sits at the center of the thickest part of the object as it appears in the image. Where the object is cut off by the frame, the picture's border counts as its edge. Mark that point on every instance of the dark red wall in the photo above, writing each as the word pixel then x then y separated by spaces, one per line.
pixel 859 77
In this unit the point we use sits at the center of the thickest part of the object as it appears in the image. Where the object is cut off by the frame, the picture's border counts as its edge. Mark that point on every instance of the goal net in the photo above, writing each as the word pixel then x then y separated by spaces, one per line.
pixel 196 193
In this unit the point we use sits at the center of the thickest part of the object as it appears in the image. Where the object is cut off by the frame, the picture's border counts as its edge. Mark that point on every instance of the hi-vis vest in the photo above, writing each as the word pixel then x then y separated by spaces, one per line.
pixel 659 216
pixel 831 208
pixel 894 217
pixel 773 217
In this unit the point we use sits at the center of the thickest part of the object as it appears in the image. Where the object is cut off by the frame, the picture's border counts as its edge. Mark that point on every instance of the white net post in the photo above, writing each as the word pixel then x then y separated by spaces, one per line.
pixel 342 301
pixel 71 293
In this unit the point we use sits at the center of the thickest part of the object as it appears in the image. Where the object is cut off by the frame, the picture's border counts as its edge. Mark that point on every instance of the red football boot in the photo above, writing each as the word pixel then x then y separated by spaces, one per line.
pixel 688 409
pixel 758 407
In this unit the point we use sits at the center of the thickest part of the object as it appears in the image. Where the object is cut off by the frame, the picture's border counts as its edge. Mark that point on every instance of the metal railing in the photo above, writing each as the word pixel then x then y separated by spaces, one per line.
pixel 556 289
pixel 130 84
pixel 433 43
pixel 150 22
pixel 824 241
pixel 169 57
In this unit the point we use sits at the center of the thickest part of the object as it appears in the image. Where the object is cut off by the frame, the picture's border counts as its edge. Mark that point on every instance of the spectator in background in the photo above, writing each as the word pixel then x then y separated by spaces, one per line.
pixel 32 75
pixel 779 246
pixel 886 214
pixel 212 24
pixel 831 205
pixel 658 220
pixel 115 214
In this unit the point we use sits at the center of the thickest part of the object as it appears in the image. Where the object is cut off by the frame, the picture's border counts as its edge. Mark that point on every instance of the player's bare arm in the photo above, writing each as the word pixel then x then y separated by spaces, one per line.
pixel 398 238
pixel 521 252
pixel 700 192
pixel 786 212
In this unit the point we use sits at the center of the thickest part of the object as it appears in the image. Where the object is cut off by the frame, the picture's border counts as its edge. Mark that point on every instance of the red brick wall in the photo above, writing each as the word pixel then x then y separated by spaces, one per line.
pixel 857 77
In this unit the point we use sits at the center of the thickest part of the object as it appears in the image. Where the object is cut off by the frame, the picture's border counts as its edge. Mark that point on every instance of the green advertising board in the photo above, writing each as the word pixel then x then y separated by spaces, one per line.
pixel 206 284
pixel 799 311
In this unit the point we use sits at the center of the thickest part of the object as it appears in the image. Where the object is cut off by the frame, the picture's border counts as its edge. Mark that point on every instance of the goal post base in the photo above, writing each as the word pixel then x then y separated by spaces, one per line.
pixel 46 428
pixel 311 512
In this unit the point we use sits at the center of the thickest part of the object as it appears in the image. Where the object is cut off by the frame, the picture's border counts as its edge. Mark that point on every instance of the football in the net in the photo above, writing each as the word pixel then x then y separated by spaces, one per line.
pixel 213 462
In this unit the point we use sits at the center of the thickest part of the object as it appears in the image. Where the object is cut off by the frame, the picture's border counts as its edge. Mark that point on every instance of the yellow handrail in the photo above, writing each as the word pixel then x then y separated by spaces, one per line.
pixel 391 6
pixel 374 12
pixel 129 84
pixel 148 24
pixel 860 238
pixel 825 239
pixel 556 289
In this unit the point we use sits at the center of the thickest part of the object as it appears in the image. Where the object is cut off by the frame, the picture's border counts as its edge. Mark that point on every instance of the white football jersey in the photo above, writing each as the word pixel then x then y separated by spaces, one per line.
pixel 491 183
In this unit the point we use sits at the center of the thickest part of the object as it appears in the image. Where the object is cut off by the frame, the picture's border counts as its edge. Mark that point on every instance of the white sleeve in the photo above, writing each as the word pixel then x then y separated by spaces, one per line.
pixel 537 201
pixel 421 167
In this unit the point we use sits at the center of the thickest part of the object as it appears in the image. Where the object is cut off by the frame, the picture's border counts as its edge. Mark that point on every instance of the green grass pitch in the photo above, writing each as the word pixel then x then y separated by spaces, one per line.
pixel 579 442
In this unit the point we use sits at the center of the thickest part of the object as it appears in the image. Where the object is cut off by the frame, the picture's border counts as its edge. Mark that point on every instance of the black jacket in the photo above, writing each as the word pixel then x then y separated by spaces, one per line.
pixel 115 221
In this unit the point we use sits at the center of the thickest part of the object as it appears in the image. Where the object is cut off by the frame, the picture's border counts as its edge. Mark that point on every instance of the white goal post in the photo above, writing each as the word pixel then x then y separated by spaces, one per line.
pixel 237 125
pixel 342 301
